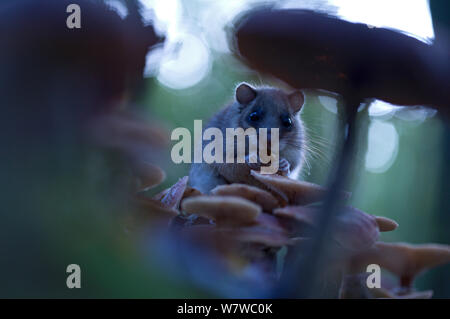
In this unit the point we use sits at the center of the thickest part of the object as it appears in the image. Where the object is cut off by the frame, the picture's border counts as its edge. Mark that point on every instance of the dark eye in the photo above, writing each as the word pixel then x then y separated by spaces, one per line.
pixel 286 121
pixel 254 117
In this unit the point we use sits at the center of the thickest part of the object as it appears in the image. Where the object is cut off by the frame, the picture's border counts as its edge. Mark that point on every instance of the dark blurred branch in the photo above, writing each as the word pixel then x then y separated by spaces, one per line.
pixel 301 276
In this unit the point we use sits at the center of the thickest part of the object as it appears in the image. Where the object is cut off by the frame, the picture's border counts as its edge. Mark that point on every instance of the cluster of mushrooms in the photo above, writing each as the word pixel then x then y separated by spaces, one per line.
pixel 247 226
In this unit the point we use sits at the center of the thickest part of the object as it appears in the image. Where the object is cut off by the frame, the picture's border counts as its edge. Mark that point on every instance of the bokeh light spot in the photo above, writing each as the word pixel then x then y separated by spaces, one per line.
pixel 382 146
pixel 186 67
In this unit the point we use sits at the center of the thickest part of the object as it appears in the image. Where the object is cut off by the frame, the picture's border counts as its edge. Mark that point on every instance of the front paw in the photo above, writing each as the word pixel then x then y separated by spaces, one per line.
pixel 254 166
pixel 284 168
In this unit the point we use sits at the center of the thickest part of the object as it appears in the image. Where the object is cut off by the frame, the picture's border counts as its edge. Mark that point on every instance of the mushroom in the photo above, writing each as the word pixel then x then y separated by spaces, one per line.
pixel 386 224
pixel 354 286
pixel 307 49
pixel 353 229
pixel 224 210
pixel 257 195
pixel 270 222
pixel 258 235
pixel 297 192
pixel 149 175
pixel 191 192
pixel 404 260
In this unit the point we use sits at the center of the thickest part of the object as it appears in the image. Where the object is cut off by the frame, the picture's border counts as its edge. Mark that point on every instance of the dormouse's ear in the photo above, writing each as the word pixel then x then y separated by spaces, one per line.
pixel 296 100
pixel 245 93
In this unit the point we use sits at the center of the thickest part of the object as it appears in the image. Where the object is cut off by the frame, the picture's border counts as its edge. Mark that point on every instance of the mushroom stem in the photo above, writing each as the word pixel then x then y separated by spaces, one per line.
pixel 305 267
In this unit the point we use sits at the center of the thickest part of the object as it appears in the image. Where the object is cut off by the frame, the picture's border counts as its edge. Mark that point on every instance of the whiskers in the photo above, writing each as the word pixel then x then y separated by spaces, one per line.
pixel 318 147
pixel 316 150
pixel 297 142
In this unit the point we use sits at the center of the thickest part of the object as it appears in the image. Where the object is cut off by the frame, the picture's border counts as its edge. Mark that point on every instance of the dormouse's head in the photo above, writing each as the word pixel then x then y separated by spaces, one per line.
pixel 271 108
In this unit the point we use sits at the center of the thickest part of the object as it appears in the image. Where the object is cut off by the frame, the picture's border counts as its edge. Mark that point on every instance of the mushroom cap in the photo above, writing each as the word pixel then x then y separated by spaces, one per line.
pixel 308 49
pixel 127 133
pixel 354 286
pixel 149 175
pixel 403 260
pixel 270 222
pixel 257 195
pixel 301 214
pixel 356 230
pixel 224 210
pixel 191 192
pixel 258 235
pixel 353 229
pixel 386 224
pixel 297 192
pixel 267 231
